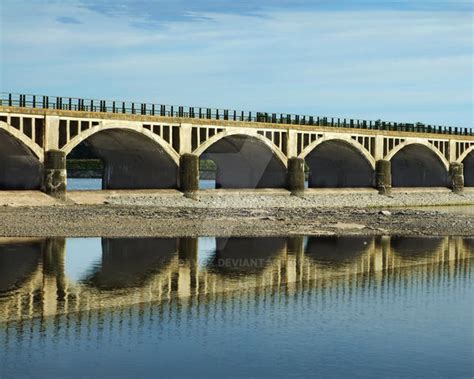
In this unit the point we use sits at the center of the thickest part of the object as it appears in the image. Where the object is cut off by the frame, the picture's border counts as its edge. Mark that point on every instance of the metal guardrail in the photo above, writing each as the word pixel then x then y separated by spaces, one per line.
pixel 127 107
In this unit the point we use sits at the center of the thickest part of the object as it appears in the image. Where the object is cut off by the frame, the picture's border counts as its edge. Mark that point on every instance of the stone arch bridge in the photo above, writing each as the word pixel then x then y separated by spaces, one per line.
pixel 157 146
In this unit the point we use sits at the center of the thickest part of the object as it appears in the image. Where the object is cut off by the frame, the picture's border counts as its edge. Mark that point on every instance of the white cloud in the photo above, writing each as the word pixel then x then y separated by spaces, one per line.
pixel 389 64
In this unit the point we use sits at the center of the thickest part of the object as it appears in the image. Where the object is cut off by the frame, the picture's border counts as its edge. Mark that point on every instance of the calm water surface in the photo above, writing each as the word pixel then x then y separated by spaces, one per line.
pixel 236 307
pixel 96 184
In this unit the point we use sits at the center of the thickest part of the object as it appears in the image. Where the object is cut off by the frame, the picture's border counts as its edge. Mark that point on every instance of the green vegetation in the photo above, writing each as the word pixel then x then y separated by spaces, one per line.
pixel 207 165
pixel 96 164
pixel 84 164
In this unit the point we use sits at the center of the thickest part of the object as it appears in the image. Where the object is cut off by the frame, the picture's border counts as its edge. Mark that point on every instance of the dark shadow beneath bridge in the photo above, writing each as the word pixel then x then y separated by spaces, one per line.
pixel 20 169
pixel 130 262
pixel 412 248
pixel 335 164
pixel 417 166
pixel 245 162
pixel 334 251
pixel 131 160
pixel 18 262
pixel 245 256
pixel 469 170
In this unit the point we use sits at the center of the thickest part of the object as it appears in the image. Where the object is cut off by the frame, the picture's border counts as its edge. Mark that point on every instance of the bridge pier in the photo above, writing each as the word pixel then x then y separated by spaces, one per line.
pixel 296 176
pixel 189 174
pixel 54 280
pixel 295 247
pixel 383 176
pixel 188 281
pixel 456 177
pixel 55 176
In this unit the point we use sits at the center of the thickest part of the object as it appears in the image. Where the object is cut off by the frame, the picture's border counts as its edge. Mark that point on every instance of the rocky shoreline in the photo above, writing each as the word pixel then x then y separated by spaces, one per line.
pixel 237 214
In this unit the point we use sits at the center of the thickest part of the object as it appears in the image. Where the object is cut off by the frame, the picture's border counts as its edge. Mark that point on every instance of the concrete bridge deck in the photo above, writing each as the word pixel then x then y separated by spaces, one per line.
pixel 147 146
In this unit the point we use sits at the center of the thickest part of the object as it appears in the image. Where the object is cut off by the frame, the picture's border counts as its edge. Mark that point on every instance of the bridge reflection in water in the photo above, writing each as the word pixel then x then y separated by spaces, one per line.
pixel 303 305
pixel 42 277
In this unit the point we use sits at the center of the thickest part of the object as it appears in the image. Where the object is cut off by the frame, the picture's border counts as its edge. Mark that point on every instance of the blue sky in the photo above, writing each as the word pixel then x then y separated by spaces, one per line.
pixel 403 60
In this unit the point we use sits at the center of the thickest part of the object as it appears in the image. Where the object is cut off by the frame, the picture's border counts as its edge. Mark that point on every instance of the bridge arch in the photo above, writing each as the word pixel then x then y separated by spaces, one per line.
pixel 418 164
pixel 250 133
pixel 465 154
pixel 71 144
pixel 336 162
pixel 245 159
pixel 133 157
pixel 426 144
pixel 15 133
pixel 361 149
pixel 467 159
pixel 21 168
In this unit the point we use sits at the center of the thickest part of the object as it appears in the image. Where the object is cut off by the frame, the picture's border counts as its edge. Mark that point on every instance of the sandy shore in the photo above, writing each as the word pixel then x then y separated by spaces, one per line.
pixel 237 213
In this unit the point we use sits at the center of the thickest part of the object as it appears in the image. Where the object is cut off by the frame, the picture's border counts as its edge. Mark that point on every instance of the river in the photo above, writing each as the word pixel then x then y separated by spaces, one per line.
pixel 233 307
pixel 96 184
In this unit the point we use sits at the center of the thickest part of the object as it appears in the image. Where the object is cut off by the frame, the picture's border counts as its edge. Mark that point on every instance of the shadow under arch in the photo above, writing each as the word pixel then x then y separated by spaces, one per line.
pixel 240 256
pixel 20 168
pixel 336 163
pixel 132 160
pixel 18 261
pixel 413 248
pixel 468 163
pixel 415 165
pixel 336 251
pixel 244 161
pixel 131 262
pixel 469 245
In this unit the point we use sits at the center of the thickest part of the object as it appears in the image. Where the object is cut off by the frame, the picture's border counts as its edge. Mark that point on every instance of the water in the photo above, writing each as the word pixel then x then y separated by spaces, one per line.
pixel 233 307
pixel 96 184
pixel 84 184
pixel 90 184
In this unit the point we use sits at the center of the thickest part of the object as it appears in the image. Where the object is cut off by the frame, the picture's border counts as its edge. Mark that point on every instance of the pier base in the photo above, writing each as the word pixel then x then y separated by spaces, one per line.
pixel 55 176
pixel 456 177
pixel 189 174
pixel 383 177
pixel 296 176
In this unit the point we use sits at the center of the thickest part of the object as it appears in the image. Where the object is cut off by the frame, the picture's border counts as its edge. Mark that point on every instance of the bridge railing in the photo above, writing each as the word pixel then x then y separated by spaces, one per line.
pixel 127 107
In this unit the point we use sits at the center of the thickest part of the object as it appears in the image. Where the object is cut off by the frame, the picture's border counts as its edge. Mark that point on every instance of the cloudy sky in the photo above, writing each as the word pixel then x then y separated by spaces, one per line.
pixel 404 60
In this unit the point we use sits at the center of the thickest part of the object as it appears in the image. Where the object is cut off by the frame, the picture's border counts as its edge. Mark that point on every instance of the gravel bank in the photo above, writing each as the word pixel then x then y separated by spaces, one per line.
pixel 241 214
pixel 242 199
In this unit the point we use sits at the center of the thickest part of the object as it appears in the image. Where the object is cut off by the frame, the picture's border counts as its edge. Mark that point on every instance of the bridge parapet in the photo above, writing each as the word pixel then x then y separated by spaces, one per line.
pixel 134 108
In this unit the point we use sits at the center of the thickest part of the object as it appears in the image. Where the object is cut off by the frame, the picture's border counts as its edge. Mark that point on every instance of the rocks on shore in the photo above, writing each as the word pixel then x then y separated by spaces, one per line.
pixel 206 199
